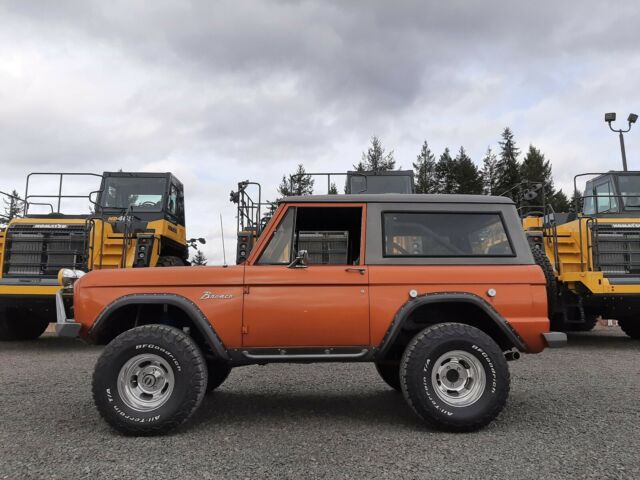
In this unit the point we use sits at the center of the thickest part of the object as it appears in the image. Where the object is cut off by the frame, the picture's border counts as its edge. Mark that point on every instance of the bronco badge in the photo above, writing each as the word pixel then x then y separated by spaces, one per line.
pixel 215 296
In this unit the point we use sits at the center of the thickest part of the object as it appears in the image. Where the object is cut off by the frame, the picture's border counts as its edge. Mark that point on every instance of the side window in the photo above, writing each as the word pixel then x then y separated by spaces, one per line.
pixel 605 199
pixel 440 234
pixel 330 235
pixel 278 250
pixel 172 205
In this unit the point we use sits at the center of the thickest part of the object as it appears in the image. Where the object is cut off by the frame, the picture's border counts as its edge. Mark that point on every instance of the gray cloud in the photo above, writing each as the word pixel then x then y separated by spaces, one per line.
pixel 221 91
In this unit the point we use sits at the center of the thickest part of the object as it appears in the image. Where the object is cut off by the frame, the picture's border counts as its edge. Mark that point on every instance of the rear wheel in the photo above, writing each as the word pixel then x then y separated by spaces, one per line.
pixel 631 327
pixel 454 377
pixel 170 261
pixel 390 373
pixel 589 324
pixel 541 259
pixel 149 380
pixel 21 325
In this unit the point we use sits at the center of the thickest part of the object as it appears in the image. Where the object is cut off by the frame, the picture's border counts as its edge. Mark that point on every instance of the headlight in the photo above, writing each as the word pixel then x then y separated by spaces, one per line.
pixel 67 277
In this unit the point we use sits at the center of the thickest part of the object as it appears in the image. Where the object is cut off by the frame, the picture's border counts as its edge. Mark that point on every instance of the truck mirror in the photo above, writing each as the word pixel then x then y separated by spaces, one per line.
pixel 301 260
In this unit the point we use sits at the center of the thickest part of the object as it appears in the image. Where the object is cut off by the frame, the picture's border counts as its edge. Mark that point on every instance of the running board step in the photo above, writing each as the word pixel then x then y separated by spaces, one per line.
pixel 272 354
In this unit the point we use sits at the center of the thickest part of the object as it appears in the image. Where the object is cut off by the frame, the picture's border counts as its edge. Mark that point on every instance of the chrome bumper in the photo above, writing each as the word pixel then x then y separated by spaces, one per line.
pixel 65 327
pixel 555 339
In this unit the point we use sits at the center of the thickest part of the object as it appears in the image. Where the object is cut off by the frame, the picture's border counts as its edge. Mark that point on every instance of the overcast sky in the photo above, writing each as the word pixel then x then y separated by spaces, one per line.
pixel 221 91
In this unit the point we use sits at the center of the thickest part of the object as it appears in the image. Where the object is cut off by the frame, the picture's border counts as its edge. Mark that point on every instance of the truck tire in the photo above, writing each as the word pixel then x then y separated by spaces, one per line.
pixel 390 373
pixel 454 377
pixel 218 373
pixel 589 324
pixel 631 327
pixel 541 259
pixel 16 325
pixel 170 261
pixel 149 380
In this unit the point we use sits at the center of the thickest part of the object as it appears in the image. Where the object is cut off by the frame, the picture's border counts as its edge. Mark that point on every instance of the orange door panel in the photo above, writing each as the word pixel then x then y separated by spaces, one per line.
pixel 322 305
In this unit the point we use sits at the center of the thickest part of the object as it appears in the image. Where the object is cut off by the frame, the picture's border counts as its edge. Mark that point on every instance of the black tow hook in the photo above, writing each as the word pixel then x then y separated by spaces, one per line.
pixel 511 356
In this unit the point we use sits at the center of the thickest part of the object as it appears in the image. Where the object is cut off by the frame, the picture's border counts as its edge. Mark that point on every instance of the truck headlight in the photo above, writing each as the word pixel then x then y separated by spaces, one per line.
pixel 67 277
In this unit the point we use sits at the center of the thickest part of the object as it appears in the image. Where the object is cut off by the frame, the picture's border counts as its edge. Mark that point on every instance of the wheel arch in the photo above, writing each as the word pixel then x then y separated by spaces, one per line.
pixel 133 310
pixel 434 308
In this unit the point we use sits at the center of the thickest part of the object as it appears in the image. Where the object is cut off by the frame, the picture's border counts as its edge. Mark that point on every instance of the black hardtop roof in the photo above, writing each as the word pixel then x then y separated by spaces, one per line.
pixel 399 198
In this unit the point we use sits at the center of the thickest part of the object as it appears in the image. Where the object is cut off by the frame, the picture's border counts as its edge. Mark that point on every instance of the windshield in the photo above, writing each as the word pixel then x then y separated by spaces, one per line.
pixel 145 194
pixel 630 191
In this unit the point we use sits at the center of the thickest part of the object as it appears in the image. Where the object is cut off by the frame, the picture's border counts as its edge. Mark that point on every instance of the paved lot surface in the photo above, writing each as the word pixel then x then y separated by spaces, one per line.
pixel 573 413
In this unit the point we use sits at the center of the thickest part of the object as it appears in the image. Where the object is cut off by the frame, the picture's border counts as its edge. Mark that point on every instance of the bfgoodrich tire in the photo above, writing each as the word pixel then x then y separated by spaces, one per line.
pixel 390 373
pixel 454 377
pixel 149 380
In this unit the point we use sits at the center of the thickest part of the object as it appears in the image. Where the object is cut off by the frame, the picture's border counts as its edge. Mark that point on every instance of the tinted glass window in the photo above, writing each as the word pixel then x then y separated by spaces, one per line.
pixel 630 191
pixel 421 234
pixel 278 250
pixel 143 193
pixel 605 199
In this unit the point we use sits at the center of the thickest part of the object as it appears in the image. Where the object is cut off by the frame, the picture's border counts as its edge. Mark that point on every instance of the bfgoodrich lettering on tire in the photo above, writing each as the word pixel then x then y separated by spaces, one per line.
pixel 149 380
pixel 454 377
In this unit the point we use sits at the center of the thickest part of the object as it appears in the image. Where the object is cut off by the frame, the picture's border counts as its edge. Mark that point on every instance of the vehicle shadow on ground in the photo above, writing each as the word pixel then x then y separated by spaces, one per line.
pixel 371 408
pixel 602 340
pixel 48 343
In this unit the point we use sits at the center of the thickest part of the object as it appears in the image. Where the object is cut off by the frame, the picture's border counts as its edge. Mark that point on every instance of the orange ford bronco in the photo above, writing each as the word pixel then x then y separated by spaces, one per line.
pixel 438 291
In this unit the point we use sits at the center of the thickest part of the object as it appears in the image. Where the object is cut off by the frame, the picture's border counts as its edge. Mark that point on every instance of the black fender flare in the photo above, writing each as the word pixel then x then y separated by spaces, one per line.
pixel 191 309
pixel 441 297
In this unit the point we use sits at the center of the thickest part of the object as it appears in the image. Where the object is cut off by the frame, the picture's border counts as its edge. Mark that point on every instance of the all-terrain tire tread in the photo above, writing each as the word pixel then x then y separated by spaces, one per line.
pixel 196 382
pixel 439 332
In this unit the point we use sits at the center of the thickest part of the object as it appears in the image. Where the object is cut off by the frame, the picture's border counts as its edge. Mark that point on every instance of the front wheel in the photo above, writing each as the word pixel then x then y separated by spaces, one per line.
pixel 21 325
pixel 454 377
pixel 170 261
pixel 149 380
pixel 631 327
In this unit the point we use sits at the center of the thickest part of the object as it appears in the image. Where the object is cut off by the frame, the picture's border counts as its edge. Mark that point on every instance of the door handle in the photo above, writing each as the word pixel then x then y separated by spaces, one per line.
pixel 361 270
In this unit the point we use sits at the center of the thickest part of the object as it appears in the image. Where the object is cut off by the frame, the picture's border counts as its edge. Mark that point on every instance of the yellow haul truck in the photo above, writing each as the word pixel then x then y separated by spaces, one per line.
pixel 592 258
pixel 137 221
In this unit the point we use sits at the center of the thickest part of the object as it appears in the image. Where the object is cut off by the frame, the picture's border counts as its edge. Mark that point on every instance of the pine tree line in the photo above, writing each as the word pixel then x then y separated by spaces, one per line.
pixel 502 172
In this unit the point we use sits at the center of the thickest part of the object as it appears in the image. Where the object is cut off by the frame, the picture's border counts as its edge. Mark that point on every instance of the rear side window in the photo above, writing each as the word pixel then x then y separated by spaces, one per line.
pixel 444 234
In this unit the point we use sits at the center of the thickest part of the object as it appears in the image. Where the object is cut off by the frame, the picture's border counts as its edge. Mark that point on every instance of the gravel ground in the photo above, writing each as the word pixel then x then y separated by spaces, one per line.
pixel 573 413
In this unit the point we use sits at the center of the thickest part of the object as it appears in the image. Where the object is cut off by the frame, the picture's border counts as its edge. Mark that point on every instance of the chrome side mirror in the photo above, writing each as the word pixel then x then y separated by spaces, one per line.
pixel 301 260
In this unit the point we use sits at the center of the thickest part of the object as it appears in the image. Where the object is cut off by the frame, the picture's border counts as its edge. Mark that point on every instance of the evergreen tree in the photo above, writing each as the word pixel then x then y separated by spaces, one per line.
pixel 333 190
pixel 560 202
pixel 199 259
pixel 375 159
pixel 466 174
pixel 536 168
pixel 507 167
pixel 13 206
pixel 489 173
pixel 297 184
pixel 576 202
pixel 425 170
pixel 445 173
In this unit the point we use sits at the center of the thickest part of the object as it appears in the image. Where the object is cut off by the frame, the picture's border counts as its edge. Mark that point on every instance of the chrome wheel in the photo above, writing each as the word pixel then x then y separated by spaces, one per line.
pixel 145 382
pixel 458 378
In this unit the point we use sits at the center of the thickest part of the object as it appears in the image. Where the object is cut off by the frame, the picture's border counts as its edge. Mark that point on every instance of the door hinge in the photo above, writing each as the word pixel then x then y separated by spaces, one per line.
pixel 245 329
